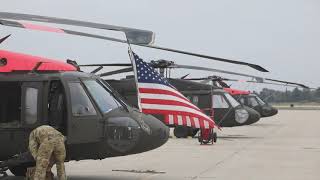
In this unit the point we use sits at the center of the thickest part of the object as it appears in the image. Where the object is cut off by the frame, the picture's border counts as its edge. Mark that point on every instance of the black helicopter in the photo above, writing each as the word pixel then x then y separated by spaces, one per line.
pixel 213 100
pixel 246 98
pixel 96 121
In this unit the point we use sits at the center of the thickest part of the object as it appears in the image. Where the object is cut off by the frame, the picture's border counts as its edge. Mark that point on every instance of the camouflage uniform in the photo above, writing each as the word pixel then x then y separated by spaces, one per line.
pixel 46 145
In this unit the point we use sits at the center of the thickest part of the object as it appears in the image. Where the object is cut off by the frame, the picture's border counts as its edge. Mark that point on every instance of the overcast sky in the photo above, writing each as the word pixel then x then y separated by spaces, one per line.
pixel 281 35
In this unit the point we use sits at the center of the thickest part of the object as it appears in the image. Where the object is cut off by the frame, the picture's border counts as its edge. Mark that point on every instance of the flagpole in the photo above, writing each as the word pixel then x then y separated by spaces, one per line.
pixel 134 67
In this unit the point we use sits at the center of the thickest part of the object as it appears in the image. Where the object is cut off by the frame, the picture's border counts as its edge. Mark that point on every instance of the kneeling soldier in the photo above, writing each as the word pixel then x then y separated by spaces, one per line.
pixel 46 145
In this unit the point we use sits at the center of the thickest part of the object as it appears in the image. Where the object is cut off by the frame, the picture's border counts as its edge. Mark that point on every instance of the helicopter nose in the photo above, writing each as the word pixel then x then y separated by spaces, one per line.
pixel 154 133
pixel 268 111
pixel 254 116
pixel 274 111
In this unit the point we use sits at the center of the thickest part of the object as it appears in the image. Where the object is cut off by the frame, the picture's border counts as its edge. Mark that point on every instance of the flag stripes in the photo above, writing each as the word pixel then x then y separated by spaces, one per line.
pixel 157 96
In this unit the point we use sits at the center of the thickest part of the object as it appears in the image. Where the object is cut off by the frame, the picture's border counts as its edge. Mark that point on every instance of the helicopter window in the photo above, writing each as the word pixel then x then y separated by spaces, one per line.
pixel 261 102
pixel 56 106
pixel 10 103
pixel 218 101
pixel 31 105
pixel 253 102
pixel 233 102
pixel 195 100
pixel 105 101
pixel 81 104
pixel 241 100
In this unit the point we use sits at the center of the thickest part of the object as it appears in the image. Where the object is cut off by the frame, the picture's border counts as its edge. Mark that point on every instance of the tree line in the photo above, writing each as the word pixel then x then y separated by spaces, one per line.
pixel 295 95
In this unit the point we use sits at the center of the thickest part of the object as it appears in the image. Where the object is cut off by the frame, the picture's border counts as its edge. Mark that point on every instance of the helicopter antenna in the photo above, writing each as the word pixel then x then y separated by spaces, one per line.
pixel 36 67
pixel 4 38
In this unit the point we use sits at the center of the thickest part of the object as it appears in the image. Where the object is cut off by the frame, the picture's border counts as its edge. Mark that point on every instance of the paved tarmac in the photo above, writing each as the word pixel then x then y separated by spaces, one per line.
pixel 284 147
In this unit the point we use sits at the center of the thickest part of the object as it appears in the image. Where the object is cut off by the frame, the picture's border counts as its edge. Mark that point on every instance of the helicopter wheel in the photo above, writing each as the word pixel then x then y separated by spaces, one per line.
pixel 18 170
pixel 180 132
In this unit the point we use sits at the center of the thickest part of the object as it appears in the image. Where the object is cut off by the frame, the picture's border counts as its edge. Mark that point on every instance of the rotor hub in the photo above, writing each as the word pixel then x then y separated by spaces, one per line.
pixel 161 63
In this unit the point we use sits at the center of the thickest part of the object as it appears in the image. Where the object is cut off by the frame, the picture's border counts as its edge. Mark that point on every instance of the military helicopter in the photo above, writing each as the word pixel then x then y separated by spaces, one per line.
pixel 246 98
pixel 213 100
pixel 36 91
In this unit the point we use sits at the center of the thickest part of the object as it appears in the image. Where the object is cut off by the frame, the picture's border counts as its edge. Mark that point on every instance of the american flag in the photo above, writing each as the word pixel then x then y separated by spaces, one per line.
pixel 157 96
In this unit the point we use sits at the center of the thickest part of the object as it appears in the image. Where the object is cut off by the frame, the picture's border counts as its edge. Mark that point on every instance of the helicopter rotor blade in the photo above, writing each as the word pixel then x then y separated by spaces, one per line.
pixel 214 70
pixel 183 77
pixel 115 64
pixel 97 70
pixel 60 30
pixel 277 84
pixel 4 38
pixel 195 79
pixel 254 66
pixel 137 36
pixel 205 81
pixel 286 82
pixel 119 71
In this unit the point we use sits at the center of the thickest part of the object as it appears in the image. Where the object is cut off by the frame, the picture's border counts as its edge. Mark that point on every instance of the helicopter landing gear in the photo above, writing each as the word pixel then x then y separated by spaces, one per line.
pixel 194 132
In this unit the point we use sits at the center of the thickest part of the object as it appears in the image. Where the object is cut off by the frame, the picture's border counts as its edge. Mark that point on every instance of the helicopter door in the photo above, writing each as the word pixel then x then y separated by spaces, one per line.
pixel 84 125
pixel 12 134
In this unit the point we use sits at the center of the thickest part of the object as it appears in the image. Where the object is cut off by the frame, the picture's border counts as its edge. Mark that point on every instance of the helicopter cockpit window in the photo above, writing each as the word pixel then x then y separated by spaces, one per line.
pixel 105 101
pixel 233 102
pixel 241 100
pixel 81 104
pixel 194 99
pixel 261 102
pixel 253 102
pixel 31 105
pixel 218 101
